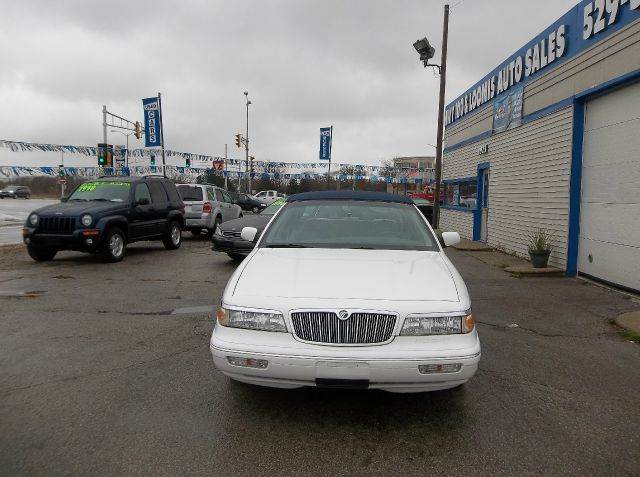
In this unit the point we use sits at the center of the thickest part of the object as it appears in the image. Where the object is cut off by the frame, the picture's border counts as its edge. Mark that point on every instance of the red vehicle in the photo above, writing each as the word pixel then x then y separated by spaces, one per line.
pixel 426 194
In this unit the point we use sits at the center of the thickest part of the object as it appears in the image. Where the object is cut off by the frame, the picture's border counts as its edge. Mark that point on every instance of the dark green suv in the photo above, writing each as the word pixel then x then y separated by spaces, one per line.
pixel 103 215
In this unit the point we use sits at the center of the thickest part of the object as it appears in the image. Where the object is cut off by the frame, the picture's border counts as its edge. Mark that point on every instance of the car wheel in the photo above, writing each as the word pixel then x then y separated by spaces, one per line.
pixel 114 245
pixel 28 196
pixel 236 257
pixel 41 254
pixel 173 239
pixel 255 210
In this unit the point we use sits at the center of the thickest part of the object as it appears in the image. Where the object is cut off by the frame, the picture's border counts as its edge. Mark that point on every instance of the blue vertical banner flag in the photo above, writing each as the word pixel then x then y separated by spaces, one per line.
pixel 151 108
pixel 325 144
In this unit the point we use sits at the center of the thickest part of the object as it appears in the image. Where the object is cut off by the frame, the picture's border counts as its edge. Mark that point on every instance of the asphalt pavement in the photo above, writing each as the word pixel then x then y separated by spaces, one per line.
pixel 105 369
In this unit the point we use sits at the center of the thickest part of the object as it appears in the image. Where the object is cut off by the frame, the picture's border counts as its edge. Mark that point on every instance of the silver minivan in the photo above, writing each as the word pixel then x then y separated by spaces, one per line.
pixel 206 206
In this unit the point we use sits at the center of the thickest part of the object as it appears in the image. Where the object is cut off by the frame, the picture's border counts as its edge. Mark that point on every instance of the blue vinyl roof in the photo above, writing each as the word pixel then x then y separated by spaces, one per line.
pixel 350 195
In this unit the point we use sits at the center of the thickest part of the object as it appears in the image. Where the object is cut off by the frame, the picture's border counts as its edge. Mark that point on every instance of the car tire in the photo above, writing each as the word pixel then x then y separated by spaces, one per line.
pixel 236 257
pixel 173 238
pixel 28 196
pixel 41 254
pixel 114 245
pixel 255 210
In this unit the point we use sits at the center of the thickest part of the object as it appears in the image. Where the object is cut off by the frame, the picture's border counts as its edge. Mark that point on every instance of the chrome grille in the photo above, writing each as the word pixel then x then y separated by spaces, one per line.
pixel 57 225
pixel 359 328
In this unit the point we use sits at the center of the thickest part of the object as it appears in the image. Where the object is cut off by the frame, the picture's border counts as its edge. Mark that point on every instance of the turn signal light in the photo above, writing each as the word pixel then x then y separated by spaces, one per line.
pixel 468 323
pixel 221 315
pixel 439 368
pixel 206 208
pixel 247 362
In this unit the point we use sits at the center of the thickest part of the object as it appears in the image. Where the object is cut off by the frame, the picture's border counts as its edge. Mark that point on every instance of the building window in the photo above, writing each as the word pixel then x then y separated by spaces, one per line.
pixel 461 193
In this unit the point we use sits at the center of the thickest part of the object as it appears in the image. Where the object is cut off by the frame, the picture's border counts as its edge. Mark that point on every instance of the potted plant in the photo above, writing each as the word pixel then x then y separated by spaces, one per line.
pixel 540 248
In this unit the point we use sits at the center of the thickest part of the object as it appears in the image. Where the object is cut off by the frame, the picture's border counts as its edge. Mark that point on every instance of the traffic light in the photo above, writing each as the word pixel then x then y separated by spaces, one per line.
pixel 137 131
pixel 251 159
pixel 238 140
pixel 105 155
pixel 61 170
pixel 153 159
pixel 188 161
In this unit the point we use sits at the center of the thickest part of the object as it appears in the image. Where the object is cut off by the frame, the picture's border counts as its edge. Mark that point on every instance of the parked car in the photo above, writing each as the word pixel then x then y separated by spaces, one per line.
pixel 227 237
pixel 349 290
pixel 248 202
pixel 105 215
pixel 206 206
pixel 15 191
pixel 269 196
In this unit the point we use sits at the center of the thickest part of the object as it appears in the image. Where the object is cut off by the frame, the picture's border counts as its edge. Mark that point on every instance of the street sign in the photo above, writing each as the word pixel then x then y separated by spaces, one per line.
pixel 325 144
pixel 151 108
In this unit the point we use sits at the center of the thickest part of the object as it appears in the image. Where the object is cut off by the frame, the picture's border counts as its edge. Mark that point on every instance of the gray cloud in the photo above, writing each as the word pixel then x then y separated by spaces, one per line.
pixel 306 64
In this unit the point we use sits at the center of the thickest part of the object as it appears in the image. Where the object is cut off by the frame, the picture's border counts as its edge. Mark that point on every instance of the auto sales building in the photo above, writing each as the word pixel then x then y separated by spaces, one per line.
pixel 551 139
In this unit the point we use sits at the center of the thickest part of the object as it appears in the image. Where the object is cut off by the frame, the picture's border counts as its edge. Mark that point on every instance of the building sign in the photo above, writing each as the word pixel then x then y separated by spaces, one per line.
pixel 151 122
pixel 325 143
pixel 507 111
pixel 584 25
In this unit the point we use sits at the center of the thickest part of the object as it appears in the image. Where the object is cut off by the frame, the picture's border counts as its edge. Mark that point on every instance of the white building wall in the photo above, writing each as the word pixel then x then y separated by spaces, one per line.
pixel 528 185
pixel 457 221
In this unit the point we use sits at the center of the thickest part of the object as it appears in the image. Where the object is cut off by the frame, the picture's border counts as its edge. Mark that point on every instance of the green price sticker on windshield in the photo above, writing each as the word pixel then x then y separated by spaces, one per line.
pixel 91 186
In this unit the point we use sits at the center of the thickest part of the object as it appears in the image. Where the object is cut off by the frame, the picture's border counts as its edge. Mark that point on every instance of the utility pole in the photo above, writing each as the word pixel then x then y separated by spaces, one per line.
pixel 104 124
pixel 443 85
pixel 164 164
pixel 225 173
pixel 246 145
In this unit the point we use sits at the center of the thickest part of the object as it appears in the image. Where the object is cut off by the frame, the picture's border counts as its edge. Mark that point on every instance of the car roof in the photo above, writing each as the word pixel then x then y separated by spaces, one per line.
pixel 350 195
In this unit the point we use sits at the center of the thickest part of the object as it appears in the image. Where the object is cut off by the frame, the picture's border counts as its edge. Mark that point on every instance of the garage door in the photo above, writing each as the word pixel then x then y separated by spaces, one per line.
pixel 610 210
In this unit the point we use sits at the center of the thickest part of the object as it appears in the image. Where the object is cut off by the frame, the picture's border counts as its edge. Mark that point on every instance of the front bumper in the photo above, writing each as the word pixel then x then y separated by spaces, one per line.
pixel 392 367
pixel 230 245
pixel 75 241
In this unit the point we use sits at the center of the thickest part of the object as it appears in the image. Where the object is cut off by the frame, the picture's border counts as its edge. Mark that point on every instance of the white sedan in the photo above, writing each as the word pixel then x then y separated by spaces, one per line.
pixel 358 294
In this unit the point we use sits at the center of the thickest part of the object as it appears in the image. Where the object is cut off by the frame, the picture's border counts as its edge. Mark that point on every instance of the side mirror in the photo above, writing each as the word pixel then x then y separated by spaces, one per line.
pixel 450 238
pixel 143 201
pixel 249 233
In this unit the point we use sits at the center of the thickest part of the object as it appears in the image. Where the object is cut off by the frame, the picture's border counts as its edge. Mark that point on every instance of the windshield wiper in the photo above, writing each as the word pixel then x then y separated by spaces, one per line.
pixel 79 200
pixel 286 245
pixel 101 200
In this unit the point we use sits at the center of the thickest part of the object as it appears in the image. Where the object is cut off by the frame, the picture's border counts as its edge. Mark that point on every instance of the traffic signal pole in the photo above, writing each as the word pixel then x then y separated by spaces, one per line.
pixel 164 164
pixel 443 83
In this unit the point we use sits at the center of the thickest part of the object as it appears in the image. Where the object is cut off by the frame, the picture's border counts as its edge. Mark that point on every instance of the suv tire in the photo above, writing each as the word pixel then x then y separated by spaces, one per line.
pixel 41 254
pixel 173 238
pixel 114 245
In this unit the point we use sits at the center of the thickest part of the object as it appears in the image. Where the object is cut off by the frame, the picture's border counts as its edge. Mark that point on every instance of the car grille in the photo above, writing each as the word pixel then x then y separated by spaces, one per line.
pixel 359 328
pixel 231 233
pixel 57 225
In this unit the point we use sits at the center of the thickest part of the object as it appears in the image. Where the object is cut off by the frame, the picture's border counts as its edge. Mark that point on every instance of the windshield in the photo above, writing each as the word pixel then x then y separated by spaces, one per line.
pixel 112 191
pixel 273 208
pixel 8 188
pixel 350 224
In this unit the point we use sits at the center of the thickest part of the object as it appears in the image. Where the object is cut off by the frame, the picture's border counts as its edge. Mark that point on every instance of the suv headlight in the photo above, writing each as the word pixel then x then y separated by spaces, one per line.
pixel 251 320
pixel 33 219
pixel 416 325
pixel 86 220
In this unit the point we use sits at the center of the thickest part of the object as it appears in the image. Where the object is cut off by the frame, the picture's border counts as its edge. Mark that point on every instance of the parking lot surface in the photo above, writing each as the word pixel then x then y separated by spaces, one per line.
pixel 105 369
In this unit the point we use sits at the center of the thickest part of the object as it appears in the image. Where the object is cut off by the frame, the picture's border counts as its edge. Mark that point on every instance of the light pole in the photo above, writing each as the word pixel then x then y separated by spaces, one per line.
pixel 246 145
pixel 426 52
pixel 126 157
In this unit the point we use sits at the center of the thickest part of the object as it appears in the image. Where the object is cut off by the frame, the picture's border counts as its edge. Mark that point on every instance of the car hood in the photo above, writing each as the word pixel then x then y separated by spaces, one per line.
pixel 257 221
pixel 395 275
pixel 76 208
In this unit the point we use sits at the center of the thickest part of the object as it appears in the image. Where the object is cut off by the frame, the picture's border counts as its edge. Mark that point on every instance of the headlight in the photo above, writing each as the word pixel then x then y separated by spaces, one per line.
pixel 33 219
pixel 438 325
pixel 251 320
pixel 86 220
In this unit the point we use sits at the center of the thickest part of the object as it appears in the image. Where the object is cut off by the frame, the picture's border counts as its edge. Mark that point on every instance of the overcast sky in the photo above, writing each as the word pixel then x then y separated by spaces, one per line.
pixel 305 63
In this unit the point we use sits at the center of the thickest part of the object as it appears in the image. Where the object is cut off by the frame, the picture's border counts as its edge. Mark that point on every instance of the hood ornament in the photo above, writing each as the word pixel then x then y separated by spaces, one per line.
pixel 343 315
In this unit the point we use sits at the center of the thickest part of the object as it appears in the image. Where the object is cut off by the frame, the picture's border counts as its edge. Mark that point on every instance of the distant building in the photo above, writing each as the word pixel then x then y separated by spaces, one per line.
pixel 412 173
